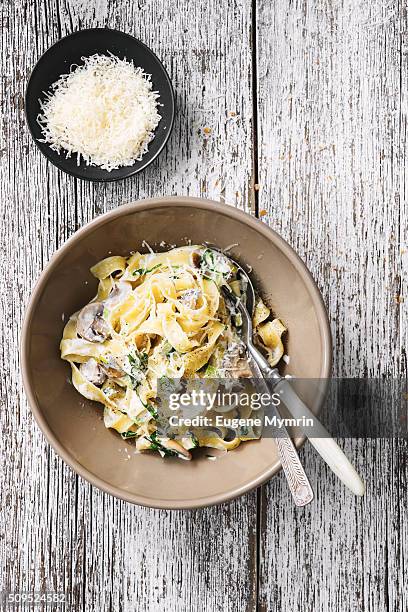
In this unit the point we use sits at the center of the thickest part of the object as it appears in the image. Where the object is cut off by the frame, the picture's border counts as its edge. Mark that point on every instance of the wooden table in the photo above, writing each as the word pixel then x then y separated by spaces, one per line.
pixel 306 105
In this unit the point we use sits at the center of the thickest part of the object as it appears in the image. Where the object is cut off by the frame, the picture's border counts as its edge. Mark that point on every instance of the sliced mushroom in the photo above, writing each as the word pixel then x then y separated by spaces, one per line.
pixel 93 372
pixel 114 367
pixel 177 448
pixel 91 325
pixel 120 291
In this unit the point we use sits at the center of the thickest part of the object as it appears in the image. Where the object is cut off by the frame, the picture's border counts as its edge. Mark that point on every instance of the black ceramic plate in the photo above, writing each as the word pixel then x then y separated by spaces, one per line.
pixel 58 60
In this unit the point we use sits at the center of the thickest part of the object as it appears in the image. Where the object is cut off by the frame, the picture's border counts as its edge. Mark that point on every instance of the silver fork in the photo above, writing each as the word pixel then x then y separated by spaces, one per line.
pixel 298 482
pixel 324 444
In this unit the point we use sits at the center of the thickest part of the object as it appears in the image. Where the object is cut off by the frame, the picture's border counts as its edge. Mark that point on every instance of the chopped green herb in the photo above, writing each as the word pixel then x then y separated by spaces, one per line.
pixel 150 408
pixel 138 366
pixel 215 266
pixel 194 440
pixel 156 445
pixel 210 371
pixel 167 348
pixel 144 271
pixel 128 434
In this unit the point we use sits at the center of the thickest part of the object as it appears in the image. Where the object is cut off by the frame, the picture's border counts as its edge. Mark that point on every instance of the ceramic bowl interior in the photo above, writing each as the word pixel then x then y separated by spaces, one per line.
pixel 69 51
pixel 74 425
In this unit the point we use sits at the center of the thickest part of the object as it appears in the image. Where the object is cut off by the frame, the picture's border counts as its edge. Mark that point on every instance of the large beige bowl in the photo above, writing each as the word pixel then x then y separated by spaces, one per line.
pixel 74 426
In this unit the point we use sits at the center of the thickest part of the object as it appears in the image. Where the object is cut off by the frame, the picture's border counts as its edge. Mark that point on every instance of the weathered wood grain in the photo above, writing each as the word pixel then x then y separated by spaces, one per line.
pixel 332 109
pixel 59 533
pixel 332 123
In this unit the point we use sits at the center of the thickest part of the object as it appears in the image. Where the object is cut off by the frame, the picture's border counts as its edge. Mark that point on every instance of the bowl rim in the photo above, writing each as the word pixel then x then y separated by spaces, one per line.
pixel 39 286
pixel 60 164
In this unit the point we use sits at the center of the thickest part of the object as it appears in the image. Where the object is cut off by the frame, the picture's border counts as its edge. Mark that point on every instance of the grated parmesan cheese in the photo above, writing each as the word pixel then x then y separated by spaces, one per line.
pixel 103 111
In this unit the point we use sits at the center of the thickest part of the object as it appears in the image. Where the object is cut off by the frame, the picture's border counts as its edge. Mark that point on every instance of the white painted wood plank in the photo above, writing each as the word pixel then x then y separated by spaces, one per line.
pixel 57 531
pixel 332 83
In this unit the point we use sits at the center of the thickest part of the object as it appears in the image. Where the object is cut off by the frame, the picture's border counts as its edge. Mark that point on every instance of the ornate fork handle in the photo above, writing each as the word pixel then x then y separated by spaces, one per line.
pixel 297 480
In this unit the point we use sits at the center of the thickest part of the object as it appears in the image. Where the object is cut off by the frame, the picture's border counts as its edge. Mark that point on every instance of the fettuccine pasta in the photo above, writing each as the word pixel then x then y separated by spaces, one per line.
pixel 161 315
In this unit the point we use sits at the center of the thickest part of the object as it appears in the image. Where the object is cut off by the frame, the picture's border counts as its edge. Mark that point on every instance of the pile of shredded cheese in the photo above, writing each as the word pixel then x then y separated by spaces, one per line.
pixel 104 111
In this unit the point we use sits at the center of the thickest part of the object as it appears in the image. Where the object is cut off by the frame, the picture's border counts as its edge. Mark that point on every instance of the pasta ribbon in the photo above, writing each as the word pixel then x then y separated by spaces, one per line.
pixel 163 315
pixel 271 335
pixel 107 266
